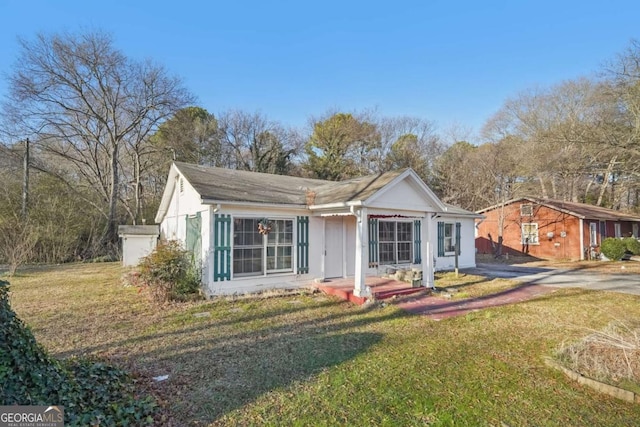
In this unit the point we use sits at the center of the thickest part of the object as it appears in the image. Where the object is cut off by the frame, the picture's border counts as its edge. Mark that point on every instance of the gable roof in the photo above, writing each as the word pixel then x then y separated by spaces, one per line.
pixel 580 210
pixel 220 185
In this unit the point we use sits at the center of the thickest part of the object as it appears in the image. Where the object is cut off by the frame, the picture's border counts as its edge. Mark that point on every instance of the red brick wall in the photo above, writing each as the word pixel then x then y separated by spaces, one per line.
pixel 548 220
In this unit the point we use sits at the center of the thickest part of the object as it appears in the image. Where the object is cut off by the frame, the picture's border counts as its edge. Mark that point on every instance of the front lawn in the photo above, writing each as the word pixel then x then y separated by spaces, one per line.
pixel 312 360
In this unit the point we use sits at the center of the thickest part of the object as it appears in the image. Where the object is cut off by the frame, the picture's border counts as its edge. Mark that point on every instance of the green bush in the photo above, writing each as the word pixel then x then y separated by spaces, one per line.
pixel 170 273
pixel 92 392
pixel 632 245
pixel 613 248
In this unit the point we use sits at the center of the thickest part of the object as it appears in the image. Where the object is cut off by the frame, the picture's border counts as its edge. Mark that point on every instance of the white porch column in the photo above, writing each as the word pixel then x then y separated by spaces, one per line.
pixel 427 252
pixel 362 253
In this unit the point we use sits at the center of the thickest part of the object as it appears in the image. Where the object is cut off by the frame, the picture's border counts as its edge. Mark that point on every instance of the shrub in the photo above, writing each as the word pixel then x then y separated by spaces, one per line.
pixel 170 273
pixel 632 245
pixel 92 392
pixel 613 248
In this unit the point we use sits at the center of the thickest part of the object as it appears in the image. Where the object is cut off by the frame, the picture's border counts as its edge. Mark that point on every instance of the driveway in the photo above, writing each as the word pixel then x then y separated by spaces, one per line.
pixel 628 283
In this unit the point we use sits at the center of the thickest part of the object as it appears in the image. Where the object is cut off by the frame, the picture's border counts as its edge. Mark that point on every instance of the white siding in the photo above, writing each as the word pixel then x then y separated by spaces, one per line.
pixel 467 258
pixel 135 247
pixel 404 196
pixel 240 285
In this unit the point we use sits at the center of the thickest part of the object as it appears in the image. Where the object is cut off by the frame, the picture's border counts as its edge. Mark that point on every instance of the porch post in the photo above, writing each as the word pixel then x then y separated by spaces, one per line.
pixel 362 254
pixel 427 257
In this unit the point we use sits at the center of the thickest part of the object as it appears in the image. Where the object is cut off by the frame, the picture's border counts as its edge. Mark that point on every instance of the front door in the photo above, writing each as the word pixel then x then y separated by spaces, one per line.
pixel 333 246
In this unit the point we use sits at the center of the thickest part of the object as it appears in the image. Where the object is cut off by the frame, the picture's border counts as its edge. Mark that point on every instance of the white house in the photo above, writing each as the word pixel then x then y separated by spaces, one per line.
pixel 252 231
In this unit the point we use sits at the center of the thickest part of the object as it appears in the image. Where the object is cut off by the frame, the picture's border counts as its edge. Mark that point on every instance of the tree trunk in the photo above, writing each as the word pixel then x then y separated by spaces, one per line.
pixel 110 237
pixel 605 182
pixel 138 190
pixel 25 181
pixel 543 188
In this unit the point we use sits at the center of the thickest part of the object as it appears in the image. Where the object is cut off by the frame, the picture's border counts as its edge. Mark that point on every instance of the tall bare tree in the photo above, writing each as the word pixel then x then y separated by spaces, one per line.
pixel 86 101
pixel 253 142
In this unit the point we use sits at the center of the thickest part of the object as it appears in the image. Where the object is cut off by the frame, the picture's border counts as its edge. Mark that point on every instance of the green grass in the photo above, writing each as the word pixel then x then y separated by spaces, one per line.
pixel 312 360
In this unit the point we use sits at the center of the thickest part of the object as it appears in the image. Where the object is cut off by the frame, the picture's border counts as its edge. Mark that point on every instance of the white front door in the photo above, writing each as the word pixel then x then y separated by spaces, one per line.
pixel 333 246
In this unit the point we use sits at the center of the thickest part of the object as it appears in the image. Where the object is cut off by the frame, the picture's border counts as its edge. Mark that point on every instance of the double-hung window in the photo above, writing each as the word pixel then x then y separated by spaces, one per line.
pixel 395 242
pixel 449 242
pixel 255 253
pixel 530 233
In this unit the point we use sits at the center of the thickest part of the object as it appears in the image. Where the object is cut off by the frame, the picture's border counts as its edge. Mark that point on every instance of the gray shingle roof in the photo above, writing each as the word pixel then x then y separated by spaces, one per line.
pixel 228 185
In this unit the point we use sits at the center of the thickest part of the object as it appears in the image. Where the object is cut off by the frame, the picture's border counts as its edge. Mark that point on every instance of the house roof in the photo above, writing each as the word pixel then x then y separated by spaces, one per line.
pixel 580 210
pixel 220 185
pixel 360 188
pixel 230 185
pixel 456 211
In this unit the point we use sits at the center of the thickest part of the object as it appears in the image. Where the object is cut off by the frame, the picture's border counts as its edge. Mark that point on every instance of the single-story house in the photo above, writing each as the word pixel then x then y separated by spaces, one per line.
pixel 552 229
pixel 252 231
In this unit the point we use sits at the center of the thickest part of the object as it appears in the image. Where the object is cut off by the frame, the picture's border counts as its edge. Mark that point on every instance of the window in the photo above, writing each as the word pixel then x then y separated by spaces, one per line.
pixel 395 242
pixel 526 210
pixel 254 253
pixel 634 230
pixel 280 246
pixel 248 247
pixel 593 234
pixel 449 245
pixel 617 229
pixel 449 239
pixel 530 233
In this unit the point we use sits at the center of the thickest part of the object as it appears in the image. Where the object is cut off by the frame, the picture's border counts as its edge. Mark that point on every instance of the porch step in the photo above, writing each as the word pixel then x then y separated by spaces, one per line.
pixel 342 293
pixel 346 292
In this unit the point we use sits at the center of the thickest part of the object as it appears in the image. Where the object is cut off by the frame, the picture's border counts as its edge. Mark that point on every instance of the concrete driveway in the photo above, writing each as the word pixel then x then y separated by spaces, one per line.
pixel 628 283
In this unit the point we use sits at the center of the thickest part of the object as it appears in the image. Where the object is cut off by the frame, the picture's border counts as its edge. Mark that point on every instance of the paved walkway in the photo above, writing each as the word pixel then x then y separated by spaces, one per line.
pixel 439 308
pixel 628 283
pixel 536 281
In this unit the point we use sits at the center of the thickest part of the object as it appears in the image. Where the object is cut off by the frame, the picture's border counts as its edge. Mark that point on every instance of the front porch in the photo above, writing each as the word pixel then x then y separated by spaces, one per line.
pixel 381 288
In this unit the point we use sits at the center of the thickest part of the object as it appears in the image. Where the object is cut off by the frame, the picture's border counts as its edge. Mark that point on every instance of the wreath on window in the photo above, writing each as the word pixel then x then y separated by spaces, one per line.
pixel 264 226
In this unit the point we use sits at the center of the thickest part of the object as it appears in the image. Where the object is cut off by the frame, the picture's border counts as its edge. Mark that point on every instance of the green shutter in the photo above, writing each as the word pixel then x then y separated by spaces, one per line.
pixel 221 247
pixel 193 241
pixel 373 242
pixel 440 238
pixel 303 244
pixel 458 225
pixel 417 242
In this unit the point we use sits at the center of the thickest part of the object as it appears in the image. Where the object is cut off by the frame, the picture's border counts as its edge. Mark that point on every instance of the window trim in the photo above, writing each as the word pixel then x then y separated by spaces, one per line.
pixel 522 233
pixel 529 210
pixel 452 237
pixel 264 248
pixel 617 230
pixel 395 242
pixel 593 234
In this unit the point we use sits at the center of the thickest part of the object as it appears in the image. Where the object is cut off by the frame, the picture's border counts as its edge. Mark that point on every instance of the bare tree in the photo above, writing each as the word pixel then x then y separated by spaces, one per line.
pixel 251 141
pixel 86 101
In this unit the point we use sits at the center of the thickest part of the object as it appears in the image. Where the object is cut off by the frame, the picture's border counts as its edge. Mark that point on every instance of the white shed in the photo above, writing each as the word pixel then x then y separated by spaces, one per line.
pixel 138 241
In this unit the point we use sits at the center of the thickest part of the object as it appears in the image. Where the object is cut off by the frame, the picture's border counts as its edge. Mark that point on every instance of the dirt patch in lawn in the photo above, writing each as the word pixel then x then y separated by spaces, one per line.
pixel 610 355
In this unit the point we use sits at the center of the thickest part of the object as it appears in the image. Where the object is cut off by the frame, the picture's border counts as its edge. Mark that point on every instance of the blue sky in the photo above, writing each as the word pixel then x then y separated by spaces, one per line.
pixel 450 62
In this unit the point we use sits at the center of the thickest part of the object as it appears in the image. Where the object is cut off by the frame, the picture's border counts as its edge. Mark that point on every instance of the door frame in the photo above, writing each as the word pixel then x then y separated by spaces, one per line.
pixel 339 243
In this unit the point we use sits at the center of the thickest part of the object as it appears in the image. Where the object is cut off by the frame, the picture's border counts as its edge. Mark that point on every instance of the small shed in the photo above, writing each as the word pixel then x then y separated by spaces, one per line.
pixel 138 241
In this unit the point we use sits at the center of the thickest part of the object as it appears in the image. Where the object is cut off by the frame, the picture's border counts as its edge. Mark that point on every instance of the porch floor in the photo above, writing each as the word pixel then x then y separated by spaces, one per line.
pixel 381 288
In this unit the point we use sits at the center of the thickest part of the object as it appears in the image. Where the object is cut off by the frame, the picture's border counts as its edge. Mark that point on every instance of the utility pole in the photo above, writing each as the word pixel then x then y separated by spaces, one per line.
pixel 25 180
